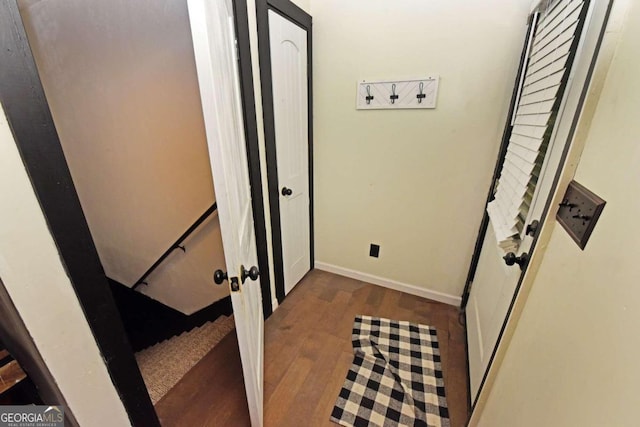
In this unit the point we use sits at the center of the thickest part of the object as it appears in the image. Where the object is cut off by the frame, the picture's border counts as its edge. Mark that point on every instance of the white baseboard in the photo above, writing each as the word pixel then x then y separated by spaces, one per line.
pixel 391 284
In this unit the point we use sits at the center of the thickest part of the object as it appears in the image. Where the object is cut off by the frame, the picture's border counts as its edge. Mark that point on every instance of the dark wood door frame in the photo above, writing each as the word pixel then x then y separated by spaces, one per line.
pixel 25 105
pixel 299 17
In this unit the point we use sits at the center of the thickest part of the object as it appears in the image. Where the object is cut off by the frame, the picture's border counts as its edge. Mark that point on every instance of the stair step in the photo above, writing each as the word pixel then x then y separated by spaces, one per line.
pixel 10 375
pixel 163 364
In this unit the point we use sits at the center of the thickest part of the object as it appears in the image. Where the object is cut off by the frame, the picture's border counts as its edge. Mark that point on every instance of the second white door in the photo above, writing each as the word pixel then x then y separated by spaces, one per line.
pixel 288 43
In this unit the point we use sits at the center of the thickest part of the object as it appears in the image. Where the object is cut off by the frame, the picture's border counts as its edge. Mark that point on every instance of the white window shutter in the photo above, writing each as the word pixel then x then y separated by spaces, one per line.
pixel 545 74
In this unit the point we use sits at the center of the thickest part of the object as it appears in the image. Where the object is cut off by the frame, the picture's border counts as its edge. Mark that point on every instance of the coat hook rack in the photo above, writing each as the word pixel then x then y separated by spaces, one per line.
pixel 417 93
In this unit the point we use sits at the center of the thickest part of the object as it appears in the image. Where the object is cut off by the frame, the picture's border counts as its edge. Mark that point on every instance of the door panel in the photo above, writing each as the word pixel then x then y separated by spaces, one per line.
pixel 215 52
pixel 486 309
pixel 494 285
pixel 288 43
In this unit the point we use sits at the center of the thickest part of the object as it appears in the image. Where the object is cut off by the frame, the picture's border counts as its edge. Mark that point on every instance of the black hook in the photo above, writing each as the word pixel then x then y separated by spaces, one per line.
pixel 565 204
pixel 369 97
pixel 421 95
pixel 393 96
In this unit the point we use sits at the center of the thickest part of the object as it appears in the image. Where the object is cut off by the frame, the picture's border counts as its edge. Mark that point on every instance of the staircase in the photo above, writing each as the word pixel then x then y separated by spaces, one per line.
pixel 164 364
pixel 147 321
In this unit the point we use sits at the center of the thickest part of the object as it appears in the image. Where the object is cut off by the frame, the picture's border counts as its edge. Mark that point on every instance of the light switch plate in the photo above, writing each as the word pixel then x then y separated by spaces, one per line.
pixel 579 212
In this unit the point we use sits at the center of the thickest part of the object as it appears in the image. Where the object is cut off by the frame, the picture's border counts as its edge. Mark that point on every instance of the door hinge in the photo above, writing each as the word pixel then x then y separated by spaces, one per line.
pixel 237 50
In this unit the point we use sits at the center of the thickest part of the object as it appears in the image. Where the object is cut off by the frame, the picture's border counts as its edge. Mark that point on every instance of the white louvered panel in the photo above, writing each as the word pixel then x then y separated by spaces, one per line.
pixel 510 199
pixel 537 108
pixel 509 193
pixel 552 68
pixel 526 142
pixel 514 169
pixel 502 230
pixel 533 119
pixel 503 206
pixel 560 8
pixel 545 72
pixel 557 47
pixel 530 131
pixel 508 208
pixel 556 12
pixel 510 186
pixel 545 95
pixel 521 165
pixel 552 81
pixel 524 153
pixel 507 222
pixel 558 61
pixel 564 26
pixel 556 50
pixel 544 59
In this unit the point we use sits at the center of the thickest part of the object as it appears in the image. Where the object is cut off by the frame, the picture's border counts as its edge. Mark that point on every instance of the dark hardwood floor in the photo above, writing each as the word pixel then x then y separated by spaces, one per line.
pixel 307 355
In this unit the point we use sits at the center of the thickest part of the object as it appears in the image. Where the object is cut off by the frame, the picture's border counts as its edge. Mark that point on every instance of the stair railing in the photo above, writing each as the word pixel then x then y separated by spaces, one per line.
pixel 176 245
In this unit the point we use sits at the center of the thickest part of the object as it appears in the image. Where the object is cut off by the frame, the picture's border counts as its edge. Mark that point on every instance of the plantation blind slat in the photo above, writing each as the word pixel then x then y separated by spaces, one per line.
pixel 541 89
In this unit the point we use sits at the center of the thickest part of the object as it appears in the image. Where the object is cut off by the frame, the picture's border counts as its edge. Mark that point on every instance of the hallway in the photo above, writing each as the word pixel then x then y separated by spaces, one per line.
pixel 307 354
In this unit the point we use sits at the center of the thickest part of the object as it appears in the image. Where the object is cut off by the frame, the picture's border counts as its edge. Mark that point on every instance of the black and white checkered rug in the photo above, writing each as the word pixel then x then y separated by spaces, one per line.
pixel 395 378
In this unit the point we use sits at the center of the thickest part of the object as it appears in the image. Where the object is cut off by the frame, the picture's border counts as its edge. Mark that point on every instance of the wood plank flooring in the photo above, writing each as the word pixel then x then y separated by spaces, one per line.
pixel 307 355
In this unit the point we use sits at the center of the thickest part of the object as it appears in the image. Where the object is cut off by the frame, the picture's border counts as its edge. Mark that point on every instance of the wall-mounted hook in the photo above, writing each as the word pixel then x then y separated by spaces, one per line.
pixel 565 204
pixel 393 96
pixel 369 97
pixel 421 94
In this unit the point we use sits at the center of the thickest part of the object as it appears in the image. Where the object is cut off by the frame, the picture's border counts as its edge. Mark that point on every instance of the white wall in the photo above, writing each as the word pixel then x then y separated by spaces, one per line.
pixel 414 182
pixel 304 5
pixel 573 357
pixel 121 82
pixel 35 278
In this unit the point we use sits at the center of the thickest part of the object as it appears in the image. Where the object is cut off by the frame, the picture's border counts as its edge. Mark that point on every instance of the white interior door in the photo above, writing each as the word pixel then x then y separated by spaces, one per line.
pixel 289 80
pixel 494 284
pixel 212 27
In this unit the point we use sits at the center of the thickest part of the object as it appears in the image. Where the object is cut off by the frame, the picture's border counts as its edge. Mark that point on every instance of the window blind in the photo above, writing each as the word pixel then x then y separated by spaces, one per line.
pixel 545 75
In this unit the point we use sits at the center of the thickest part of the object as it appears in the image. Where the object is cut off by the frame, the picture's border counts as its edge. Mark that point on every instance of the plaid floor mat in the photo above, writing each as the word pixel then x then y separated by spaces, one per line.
pixel 395 378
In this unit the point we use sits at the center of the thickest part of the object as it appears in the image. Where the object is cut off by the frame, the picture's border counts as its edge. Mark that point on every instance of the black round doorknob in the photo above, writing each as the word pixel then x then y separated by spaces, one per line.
pixel 286 191
pixel 511 259
pixel 253 273
pixel 532 228
pixel 219 276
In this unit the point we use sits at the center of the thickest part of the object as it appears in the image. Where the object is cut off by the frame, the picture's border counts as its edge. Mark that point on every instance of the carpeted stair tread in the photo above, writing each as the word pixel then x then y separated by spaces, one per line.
pixel 164 364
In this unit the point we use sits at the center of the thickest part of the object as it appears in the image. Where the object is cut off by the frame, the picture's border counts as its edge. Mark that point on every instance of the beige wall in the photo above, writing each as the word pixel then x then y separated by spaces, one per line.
pixel 414 182
pixel 573 357
pixel 121 82
pixel 37 282
pixel 304 5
